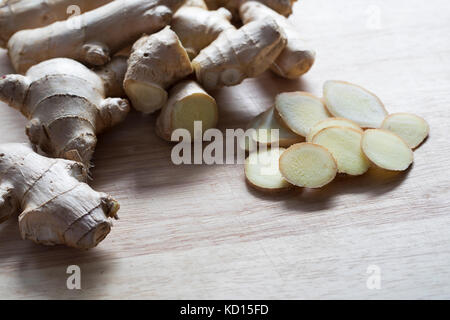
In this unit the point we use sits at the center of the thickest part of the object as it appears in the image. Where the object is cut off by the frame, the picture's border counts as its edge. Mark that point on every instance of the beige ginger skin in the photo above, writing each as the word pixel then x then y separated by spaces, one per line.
pixel 66 106
pixel 54 203
pixel 197 27
pixel 102 33
pixel 239 54
pixel 156 62
pixel 297 58
pixel 283 7
pixel 18 15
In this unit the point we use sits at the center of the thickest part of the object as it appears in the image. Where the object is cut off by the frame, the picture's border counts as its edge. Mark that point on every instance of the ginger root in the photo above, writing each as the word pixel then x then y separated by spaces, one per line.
pixel 238 54
pixel 102 33
pixel 297 58
pixel 55 205
pixel 188 102
pixel 156 62
pixel 197 27
pixel 66 105
pixel 19 15
pixel 283 7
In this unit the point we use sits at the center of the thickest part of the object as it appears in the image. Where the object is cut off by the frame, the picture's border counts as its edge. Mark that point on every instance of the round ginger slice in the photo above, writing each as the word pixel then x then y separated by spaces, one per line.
pixel 386 150
pixel 300 111
pixel 345 146
pixel 353 102
pixel 331 122
pixel 262 171
pixel 308 165
pixel 267 121
pixel 411 128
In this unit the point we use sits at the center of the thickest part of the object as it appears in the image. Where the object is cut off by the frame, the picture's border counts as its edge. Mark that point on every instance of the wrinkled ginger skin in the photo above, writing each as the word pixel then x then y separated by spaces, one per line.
pixel 156 62
pixel 19 15
pixel 54 204
pixel 102 33
pixel 66 107
pixel 197 27
pixel 283 7
pixel 297 58
pixel 239 54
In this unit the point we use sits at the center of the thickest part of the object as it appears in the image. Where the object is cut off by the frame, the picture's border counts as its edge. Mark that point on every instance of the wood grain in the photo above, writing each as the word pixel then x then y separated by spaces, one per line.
pixel 201 232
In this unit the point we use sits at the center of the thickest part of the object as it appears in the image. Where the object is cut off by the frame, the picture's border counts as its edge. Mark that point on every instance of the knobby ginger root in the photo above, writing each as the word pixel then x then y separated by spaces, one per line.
pixel 113 75
pixel 331 122
pixel 188 102
pixel 156 62
pixel 66 105
pixel 262 170
pixel 300 111
pixel 93 37
pixel 264 123
pixel 411 128
pixel 55 205
pixel 308 165
pixel 283 7
pixel 197 27
pixel 355 103
pixel 386 150
pixel 239 54
pixel 19 15
pixel 345 145
pixel 297 58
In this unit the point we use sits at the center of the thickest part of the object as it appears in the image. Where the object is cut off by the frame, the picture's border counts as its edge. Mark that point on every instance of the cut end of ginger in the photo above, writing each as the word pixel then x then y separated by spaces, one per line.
pixel 197 107
pixel 331 122
pixel 262 170
pixel 345 145
pixel 386 150
pixel 308 165
pixel 411 128
pixel 145 97
pixel 355 103
pixel 300 111
pixel 265 124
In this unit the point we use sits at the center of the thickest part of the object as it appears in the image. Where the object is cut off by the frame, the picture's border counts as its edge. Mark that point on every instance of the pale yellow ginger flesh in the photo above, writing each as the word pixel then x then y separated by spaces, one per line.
pixel 197 27
pixel 54 203
pixel 308 165
pixel 156 62
pixel 386 150
pixel 239 54
pixel 264 125
pixel 331 122
pixel 411 128
pixel 93 37
pixel 300 111
pixel 262 170
pixel 297 58
pixel 345 145
pixel 66 105
pixel 355 103
pixel 19 15
pixel 188 102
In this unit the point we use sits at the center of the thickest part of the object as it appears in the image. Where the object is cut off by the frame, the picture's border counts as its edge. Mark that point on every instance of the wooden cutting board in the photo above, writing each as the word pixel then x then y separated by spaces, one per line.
pixel 201 232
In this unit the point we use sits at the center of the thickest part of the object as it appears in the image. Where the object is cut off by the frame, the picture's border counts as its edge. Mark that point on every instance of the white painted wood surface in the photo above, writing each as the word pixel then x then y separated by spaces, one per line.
pixel 200 232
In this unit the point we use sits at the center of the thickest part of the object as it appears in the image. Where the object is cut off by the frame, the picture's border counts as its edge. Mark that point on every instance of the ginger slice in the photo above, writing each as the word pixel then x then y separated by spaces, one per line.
pixel 308 165
pixel 411 128
pixel 267 121
pixel 355 103
pixel 300 111
pixel 386 150
pixel 345 145
pixel 331 122
pixel 262 170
